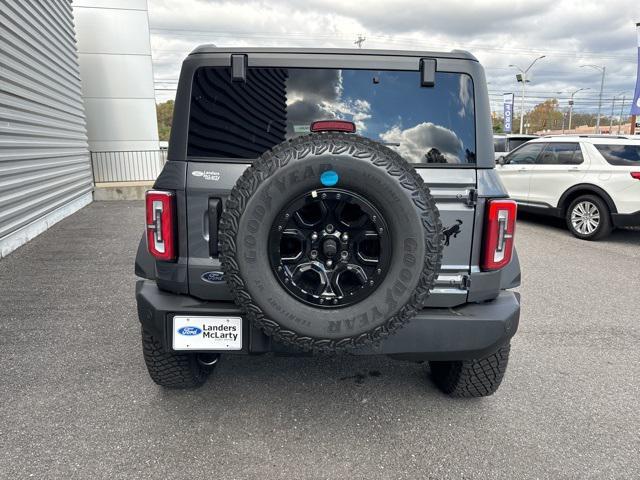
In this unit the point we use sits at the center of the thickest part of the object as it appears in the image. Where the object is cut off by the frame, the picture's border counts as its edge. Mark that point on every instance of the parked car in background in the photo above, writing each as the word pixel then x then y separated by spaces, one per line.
pixel 505 143
pixel 592 181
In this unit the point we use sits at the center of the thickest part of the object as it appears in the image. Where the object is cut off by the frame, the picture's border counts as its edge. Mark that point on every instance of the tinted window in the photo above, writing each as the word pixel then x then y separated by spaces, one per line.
pixel 620 155
pixel 516 142
pixel 243 120
pixel 561 154
pixel 499 144
pixel 525 155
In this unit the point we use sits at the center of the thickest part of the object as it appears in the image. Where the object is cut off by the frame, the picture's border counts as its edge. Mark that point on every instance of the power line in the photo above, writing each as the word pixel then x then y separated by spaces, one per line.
pixel 394 40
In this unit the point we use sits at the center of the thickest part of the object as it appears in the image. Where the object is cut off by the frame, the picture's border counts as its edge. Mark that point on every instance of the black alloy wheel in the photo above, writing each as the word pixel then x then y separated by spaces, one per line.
pixel 330 248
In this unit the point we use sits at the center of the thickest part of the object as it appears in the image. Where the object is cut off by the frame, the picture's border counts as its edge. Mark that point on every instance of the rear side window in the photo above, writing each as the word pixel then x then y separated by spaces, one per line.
pixel 242 120
pixel 620 155
pixel 561 154
pixel 499 144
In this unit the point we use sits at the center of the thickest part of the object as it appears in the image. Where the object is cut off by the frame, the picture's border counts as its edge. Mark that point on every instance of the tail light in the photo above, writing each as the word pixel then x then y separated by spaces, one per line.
pixel 161 224
pixel 636 175
pixel 499 229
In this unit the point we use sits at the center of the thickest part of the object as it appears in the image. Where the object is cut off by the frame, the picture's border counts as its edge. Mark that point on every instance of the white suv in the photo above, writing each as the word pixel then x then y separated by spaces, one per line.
pixel 593 181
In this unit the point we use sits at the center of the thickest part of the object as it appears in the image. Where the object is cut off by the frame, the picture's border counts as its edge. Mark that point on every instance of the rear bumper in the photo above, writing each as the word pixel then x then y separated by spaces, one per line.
pixel 626 219
pixel 472 330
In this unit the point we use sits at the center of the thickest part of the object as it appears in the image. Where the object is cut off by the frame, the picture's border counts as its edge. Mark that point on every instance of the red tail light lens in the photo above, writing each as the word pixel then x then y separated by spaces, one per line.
pixel 499 230
pixel 333 126
pixel 161 224
pixel 636 175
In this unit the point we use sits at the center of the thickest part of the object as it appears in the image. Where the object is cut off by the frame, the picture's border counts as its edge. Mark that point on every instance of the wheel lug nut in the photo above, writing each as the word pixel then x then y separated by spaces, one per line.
pixel 329 263
pixel 344 254
pixel 314 254
pixel 379 271
pixel 329 228
pixel 324 195
pixel 335 300
pixel 339 195
pixel 345 237
pixel 370 282
pixel 314 236
pixel 286 215
pixel 374 218
pixel 380 230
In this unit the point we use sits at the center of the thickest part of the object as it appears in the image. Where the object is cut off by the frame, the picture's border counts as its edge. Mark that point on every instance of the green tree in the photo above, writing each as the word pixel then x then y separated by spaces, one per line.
pixel 165 116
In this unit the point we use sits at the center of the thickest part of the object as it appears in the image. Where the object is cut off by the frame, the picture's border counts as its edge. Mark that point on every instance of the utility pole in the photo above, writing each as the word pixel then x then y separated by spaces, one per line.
pixel 571 105
pixel 602 69
pixel 523 78
pixel 360 40
pixel 613 103
pixel 621 110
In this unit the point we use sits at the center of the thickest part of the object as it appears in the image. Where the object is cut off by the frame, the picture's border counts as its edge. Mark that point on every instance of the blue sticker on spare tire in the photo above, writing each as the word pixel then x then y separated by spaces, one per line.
pixel 329 178
pixel 189 331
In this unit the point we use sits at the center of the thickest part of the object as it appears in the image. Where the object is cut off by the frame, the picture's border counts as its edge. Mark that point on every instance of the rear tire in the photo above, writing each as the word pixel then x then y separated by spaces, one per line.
pixel 169 369
pixel 471 378
pixel 588 218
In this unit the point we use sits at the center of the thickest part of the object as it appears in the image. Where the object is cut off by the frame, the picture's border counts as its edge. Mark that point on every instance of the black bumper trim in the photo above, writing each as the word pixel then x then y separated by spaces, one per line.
pixel 626 219
pixel 472 330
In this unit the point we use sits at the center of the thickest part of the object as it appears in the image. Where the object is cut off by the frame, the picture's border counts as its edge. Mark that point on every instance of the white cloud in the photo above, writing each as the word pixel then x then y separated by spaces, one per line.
pixel 418 141
pixel 498 33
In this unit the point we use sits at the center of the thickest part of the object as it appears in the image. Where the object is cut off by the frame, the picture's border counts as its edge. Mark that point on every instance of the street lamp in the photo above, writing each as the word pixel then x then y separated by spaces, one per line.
pixel 571 104
pixel 602 69
pixel 523 79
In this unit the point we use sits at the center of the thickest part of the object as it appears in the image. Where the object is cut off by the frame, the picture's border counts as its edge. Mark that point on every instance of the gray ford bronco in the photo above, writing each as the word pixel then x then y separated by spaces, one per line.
pixel 331 202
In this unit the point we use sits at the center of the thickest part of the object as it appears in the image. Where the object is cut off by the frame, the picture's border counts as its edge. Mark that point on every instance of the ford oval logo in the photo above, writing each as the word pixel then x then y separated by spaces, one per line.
pixel 213 277
pixel 189 331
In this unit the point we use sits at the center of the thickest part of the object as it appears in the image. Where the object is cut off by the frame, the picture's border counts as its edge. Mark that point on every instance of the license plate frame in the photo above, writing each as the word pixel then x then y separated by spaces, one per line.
pixel 207 332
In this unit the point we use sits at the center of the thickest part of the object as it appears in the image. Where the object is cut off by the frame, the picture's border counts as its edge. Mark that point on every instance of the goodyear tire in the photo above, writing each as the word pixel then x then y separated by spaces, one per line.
pixel 367 170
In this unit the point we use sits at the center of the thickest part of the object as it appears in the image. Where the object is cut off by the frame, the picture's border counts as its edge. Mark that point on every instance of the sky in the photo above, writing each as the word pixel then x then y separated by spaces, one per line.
pixel 499 33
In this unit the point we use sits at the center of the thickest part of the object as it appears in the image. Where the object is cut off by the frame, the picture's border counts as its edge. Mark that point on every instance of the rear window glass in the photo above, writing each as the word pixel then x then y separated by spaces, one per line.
pixel 499 144
pixel 620 155
pixel 243 120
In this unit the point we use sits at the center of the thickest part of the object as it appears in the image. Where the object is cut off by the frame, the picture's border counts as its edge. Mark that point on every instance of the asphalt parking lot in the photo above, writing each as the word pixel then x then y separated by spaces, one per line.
pixel 76 401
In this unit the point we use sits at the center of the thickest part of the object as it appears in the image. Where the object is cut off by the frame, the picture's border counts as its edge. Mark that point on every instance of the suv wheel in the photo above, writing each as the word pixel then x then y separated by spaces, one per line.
pixel 588 218
pixel 471 378
pixel 174 370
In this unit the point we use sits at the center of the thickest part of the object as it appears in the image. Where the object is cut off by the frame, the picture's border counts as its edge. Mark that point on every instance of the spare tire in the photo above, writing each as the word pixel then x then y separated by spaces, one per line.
pixel 330 241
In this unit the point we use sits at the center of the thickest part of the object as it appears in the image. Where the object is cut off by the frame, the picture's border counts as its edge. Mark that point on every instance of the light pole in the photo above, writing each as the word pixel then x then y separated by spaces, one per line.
pixel 523 79
pixel 571 104
pixel 602 69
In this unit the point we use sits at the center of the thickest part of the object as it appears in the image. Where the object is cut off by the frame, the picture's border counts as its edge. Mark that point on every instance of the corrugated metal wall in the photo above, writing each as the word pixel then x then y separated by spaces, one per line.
pixel 44 157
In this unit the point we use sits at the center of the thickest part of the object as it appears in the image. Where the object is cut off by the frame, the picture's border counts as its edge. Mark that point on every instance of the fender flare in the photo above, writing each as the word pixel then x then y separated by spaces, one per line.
pixel 590 188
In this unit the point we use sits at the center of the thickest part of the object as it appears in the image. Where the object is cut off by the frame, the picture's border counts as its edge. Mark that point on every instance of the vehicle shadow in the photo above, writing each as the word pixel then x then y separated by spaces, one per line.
pixel 312 389
pixel 629 236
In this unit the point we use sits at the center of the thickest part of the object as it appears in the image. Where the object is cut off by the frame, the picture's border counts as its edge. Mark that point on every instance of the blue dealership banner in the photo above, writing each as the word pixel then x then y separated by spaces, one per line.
pixel 508 111
pixel 635 105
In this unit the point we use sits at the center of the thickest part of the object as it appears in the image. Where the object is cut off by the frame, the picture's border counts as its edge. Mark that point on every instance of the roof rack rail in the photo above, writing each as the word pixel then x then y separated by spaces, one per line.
pixel 602 135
